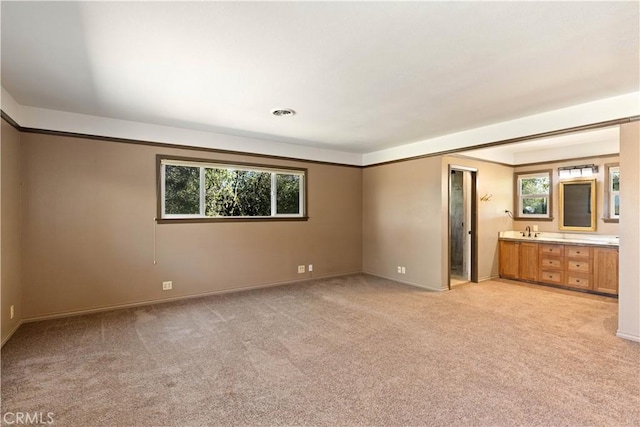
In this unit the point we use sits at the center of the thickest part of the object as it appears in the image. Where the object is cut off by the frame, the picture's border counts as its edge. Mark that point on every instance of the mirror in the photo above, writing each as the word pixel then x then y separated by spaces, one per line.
pixel 578 205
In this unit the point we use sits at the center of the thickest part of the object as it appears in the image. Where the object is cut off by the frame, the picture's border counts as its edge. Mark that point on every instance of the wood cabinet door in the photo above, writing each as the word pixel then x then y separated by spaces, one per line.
pixel 528 265
pixel 509 254
pixel 605 270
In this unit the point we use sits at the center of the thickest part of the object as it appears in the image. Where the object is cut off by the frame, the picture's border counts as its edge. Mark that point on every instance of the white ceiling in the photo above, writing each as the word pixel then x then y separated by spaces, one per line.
pixel 362 76
pixel 599 142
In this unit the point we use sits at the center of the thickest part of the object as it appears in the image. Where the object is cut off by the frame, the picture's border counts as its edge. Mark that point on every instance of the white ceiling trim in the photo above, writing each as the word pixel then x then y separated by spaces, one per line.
pixel 39 118
pixel 584 114
pixel 593 149
pixel 592 143
pixel 579 115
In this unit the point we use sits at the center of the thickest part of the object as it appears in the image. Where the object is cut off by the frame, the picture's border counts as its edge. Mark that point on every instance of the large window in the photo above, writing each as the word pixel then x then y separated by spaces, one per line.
pixel 204 190
pixel 533 191
pixel 612 192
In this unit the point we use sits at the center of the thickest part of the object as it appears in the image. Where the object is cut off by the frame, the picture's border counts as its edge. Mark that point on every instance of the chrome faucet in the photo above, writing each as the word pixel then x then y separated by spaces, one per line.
pixel 528 230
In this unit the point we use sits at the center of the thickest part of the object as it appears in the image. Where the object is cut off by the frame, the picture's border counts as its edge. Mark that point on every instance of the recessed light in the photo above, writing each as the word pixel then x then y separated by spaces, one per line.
pixel 283 112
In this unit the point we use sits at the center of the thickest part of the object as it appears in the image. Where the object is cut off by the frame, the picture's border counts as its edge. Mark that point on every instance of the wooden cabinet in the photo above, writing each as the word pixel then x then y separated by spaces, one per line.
pixel 551 249
pixel 584 267
pixel 528 261
pixel 579 267
pixel 605 271
pixel 551 264
pixel 509 259
pixel 519 260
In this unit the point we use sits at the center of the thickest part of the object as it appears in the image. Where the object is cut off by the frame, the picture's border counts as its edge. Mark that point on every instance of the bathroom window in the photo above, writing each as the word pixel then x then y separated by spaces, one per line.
pixel 204 190
pixel 612 193
pixel 533 200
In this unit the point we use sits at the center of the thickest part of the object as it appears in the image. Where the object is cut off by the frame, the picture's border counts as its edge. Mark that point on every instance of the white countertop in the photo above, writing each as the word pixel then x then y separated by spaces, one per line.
pixel 575 238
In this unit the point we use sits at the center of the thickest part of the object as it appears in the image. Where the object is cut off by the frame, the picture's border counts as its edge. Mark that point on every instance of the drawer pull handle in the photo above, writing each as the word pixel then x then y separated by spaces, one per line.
pixel 577 265
pixel 577 281
pixel 577 252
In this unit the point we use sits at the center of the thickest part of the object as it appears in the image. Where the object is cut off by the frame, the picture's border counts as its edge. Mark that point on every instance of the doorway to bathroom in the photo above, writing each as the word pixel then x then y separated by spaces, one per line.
pixel 462 226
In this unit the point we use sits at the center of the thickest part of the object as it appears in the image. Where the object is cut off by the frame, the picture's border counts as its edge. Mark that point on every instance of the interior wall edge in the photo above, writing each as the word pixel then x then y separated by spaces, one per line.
pixel 487 278
pixel 6 117
pixel 9 120
pixel 10 334
pixel 11 220
pixel 245 142
pixel 407 282
pixel 496 143
pixel 630 337
pixel 352 159
pixel 90 213
pixel 144 303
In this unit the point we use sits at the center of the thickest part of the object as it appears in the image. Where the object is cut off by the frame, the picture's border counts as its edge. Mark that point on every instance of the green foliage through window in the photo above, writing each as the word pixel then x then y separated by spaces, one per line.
pixel 237 193
pixel 536 206
pixel 615 181
pixel 288 194
pixel 613 191
pixel 535 185
pixel 183 190
pixel 534 193
pixel 229 191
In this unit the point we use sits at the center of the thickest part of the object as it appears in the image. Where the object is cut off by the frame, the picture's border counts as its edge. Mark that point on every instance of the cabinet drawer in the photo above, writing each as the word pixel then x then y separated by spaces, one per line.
pixel 552 250
pixel 550 276
pixel 577 252
pixel 579 265
pixel 579 281
pixel 550 263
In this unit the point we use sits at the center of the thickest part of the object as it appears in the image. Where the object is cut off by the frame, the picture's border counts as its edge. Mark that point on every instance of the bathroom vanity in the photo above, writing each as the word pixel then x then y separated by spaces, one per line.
pixel 575 261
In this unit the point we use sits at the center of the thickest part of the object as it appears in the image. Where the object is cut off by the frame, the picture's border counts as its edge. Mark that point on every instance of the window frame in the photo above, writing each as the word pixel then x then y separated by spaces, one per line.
pixel 517 202
pixel 609 195
pixel 162 160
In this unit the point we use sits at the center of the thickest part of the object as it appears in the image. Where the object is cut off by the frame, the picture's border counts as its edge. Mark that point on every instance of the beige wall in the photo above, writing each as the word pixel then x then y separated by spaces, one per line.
pixel 405 221
pixel 10 251
pixel 88 231
pixel 402 222
pixel 629 296
pixel 552 226
pixel 88 227
pixel 492 180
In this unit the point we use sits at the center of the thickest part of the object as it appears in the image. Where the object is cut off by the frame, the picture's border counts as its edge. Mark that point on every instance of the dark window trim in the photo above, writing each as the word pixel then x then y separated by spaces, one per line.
pixel 161 220
pixel 517 216
pixel 228 219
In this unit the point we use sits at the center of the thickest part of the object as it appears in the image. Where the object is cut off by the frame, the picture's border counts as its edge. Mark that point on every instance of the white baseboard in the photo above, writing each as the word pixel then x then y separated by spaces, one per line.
pixel 629 337
pixel 13 331
pixel 171 299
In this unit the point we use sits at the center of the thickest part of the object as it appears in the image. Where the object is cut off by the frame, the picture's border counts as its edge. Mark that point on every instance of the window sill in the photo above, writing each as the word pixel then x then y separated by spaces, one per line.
pixel 519 218
pixel 229 219
pixel 611 220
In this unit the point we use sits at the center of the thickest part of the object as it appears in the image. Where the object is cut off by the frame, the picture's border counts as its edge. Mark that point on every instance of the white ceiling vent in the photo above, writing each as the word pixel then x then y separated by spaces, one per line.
pixel 283 112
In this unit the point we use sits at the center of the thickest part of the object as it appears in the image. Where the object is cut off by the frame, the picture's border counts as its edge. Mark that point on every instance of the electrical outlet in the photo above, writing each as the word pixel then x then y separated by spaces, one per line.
pixel 310 268
pixel 167 286
pixel 301 269
pixel 12 311
pixel 404 270
pixel 399 269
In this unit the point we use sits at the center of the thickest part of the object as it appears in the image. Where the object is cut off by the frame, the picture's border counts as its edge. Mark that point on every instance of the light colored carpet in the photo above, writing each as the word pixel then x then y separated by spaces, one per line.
pixel 354 350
